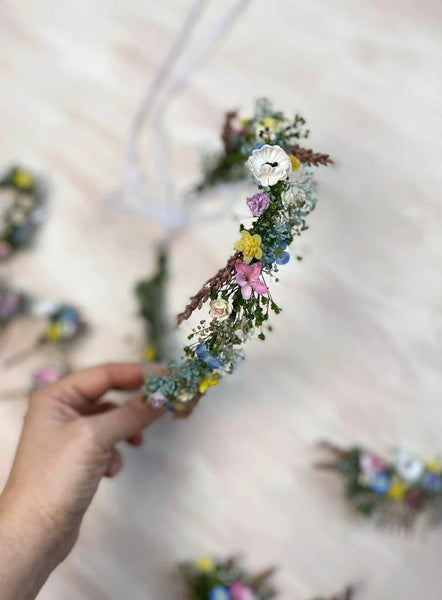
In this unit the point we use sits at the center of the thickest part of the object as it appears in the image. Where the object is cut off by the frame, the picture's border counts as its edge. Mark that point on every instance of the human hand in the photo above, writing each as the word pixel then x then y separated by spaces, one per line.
pixel 67 445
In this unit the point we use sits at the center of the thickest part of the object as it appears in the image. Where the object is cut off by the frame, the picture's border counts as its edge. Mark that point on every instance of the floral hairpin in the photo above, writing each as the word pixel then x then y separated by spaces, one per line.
pixel 394 493
pixel 216 579
pixel 64 325
pixel 22 198
pixel 48 373
pixel 239 293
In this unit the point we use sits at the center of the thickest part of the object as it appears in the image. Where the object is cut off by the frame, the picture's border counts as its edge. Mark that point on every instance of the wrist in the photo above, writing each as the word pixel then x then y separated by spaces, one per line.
pixel 30 548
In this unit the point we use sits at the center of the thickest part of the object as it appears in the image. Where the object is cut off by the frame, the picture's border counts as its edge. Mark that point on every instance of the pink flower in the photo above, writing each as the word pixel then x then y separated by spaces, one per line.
pixel 47 375
pixel 239 591
pixel 371 464
pixel 247 276
pixel 258 203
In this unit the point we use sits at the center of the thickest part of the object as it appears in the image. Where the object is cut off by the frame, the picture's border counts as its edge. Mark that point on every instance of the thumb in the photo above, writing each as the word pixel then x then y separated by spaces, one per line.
pixel 125 421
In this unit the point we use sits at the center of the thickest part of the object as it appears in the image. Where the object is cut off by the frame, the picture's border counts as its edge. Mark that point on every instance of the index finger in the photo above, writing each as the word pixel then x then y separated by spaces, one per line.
pixel 90 384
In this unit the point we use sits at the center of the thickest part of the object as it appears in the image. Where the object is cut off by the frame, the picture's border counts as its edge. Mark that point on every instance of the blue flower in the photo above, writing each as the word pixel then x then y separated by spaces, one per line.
pixel 66 313
pixel 210 359
pixel 380 483
pixel 283 258
pixel 21 236
pixel 219 592
pixel 431 482
pixel 256 146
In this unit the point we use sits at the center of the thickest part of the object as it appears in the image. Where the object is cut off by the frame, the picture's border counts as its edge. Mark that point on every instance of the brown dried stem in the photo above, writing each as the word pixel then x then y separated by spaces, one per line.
pixel 308 157
pixel 222 277
pixel 226 132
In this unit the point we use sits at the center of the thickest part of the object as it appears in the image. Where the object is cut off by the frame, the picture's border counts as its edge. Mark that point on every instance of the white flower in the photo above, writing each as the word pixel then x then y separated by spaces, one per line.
pixel 290 195
pixel 185 397
pixel 269 164
pixel 409 466
pixel 220 309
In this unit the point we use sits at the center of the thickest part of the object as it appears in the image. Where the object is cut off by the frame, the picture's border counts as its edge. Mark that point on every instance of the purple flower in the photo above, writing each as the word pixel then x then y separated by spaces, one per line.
pixel 258 203
pixel 10 303
pixel 431 482
pixel 157 400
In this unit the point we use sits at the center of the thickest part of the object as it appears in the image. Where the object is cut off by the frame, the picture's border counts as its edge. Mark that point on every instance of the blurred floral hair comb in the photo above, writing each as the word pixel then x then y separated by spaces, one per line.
pixel 64 325
pixel 225 579
pixel 393 493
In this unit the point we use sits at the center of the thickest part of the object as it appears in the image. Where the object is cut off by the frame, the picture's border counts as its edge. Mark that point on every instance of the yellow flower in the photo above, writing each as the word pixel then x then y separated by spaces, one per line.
pixel 270 123
pixel 296 164
pixel 244 122
pixel 206 383
pixel 397 489
pixel 205 564
pixel 433 466
pixel 54 332
pixel 149 353
pixel 250 246
pixel 22 180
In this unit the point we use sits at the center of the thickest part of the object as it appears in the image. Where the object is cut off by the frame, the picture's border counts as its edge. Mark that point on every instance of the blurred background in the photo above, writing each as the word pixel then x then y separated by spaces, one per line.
pixel 356 354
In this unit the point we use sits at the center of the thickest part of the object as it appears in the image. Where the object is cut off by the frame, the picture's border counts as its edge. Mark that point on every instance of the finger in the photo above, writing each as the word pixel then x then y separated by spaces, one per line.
pixel 135 440
pixel 115 464
pixel 89 385
pixel 96 409
pixel 125 422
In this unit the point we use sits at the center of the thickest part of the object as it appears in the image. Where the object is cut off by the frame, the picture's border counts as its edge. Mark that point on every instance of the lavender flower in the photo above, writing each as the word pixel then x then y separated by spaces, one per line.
pixel 157 400
pixel 258 203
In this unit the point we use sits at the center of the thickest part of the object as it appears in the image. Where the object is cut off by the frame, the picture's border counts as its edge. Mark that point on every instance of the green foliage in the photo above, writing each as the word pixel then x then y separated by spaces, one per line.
pixel 151 295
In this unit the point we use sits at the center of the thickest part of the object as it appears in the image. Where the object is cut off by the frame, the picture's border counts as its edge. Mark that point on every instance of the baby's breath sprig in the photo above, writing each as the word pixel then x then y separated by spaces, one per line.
pixel 239 293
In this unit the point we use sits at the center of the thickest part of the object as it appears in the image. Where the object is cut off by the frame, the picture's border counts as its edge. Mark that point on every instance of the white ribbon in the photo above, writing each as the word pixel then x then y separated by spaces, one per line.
pixel 172 210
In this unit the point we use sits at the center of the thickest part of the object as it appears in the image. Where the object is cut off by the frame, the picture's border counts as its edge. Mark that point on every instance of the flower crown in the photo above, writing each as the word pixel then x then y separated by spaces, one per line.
pixel 21 209
pixel 392 493
pixel 239 294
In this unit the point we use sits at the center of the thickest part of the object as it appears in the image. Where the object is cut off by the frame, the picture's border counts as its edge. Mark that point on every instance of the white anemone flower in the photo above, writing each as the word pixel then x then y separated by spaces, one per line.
pixel 269 164
pixel 409 466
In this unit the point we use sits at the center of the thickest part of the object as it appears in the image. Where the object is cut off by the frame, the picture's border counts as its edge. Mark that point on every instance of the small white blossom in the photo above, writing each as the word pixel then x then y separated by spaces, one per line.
pixel 220 309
